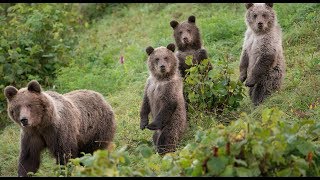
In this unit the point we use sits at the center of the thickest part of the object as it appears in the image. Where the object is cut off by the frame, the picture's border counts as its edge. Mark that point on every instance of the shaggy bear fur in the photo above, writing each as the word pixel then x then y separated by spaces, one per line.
pixel 79 121
pixel 262 63
pixel 188 40
pixel 163 97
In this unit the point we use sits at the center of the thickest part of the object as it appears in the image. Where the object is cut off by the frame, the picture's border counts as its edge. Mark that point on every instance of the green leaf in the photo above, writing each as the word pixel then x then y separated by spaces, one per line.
pixel 243 172
pixel 188 60
pixel 204 62
pixel 196 168
pixel 284 172
pixel 305 147
pixel 241 162
pixel 184 162
pixel 2 59
pixel 216 165
pixel 145 151
pixel 166 162
pixel 265 115
pixel 258 150
pixel 228 172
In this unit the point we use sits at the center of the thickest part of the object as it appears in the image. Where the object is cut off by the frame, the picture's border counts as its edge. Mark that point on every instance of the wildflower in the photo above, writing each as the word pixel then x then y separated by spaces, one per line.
pixel 121 59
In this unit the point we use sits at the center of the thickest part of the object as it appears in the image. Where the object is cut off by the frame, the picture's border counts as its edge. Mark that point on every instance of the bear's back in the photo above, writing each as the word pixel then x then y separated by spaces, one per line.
pixel 97 120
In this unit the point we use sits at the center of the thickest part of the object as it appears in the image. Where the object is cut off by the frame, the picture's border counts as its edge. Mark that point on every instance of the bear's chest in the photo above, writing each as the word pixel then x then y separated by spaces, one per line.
pixel 254 46
pixel 155 91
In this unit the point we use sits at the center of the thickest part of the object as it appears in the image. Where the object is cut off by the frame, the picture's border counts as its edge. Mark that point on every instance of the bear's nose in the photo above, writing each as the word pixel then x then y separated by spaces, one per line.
pixel 162 66
pixel 260 23
pixel 24 121
pixel 185 39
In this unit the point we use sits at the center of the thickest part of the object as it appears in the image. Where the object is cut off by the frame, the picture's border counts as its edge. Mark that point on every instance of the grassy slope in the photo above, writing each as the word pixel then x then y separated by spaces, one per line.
pixel 130 29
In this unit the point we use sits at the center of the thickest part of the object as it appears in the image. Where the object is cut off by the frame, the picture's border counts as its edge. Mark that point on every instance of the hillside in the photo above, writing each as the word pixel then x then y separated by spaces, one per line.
pixel 129 29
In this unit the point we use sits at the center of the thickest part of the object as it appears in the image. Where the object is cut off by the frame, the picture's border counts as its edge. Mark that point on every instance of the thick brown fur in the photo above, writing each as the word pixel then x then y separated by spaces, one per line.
pixel 68 124
pixel 188 40
pixel 163 98
pixel 262 64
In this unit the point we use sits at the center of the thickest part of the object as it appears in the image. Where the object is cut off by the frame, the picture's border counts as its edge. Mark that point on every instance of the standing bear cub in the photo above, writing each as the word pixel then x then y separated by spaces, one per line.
pixel 78 121
pixel 188 40
pixel 262 63
pixel 163 97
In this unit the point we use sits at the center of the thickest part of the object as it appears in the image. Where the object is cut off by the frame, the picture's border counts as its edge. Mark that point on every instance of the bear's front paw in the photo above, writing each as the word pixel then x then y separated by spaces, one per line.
pixel 154 126
pixel 200 55
pixel 250 83
pixel 143 124
pixel 243 78
pixel 202 52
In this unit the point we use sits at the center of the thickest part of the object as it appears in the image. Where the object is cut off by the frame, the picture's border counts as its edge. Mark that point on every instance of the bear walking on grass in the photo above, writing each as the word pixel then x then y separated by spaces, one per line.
pixel 68 124
pixel 262 63
pixel 188 40
pixel 163 97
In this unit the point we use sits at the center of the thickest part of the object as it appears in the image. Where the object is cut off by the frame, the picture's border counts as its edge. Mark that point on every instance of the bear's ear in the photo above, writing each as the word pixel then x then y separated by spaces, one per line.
pixel 174 24
pixel 248 5
pixel 149 50
pixel 192 19
pixel 10 92
pixel 34 86
pixel 269 4
pixel 171 47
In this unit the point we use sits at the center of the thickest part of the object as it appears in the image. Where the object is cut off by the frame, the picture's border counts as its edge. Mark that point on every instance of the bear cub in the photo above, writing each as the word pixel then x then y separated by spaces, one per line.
pixel 163 98
pixel 68 124
pixel 262 63
pixel 188 40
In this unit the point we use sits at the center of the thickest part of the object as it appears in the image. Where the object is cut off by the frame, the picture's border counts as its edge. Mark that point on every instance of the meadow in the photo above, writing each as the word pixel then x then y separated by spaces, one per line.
pixel 125 30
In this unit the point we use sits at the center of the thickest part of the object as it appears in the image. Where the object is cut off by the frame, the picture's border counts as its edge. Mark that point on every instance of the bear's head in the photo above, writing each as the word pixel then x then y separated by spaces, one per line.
pixel 186 34
pixel 162 62
pixel 26 106
pixel 260 17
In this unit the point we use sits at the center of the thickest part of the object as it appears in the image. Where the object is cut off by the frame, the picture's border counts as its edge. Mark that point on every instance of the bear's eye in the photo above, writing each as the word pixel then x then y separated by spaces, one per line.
pixel 180 32
pixel 264 15
pixel 165 58
pixel 157 59
pixel 255 15
pixel 188 30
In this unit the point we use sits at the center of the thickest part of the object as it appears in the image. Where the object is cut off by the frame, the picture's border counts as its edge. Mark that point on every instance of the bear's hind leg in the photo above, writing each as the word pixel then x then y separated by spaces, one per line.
pixel 258 93
pixel 167 142
pixel 155 137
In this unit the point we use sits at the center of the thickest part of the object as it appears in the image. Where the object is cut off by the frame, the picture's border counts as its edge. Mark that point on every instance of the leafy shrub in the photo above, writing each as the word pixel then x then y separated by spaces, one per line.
pixel 93 11
pixel 249 147
pixel 35 41
pixel 212 90
pixel 269 146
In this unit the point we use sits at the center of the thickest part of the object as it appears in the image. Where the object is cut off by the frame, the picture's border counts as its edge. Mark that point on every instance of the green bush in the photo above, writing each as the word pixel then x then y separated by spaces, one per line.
pixel 212 90
pixel 270 146
pixel 35 41
pixel 94 11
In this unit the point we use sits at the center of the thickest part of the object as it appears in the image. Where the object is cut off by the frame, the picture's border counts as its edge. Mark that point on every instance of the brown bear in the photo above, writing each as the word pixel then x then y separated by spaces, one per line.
pixel 262 63
pixel 68 124
pixel 163 97
pixel 188 40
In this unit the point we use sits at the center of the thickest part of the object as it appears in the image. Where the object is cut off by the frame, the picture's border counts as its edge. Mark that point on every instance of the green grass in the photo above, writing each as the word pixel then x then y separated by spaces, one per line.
pixel 129 30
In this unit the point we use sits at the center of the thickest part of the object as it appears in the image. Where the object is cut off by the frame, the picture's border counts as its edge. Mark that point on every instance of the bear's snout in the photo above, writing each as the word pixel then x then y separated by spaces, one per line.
pixel 260 25
pixel 24 121
pixel 185 40
pixel 162 68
